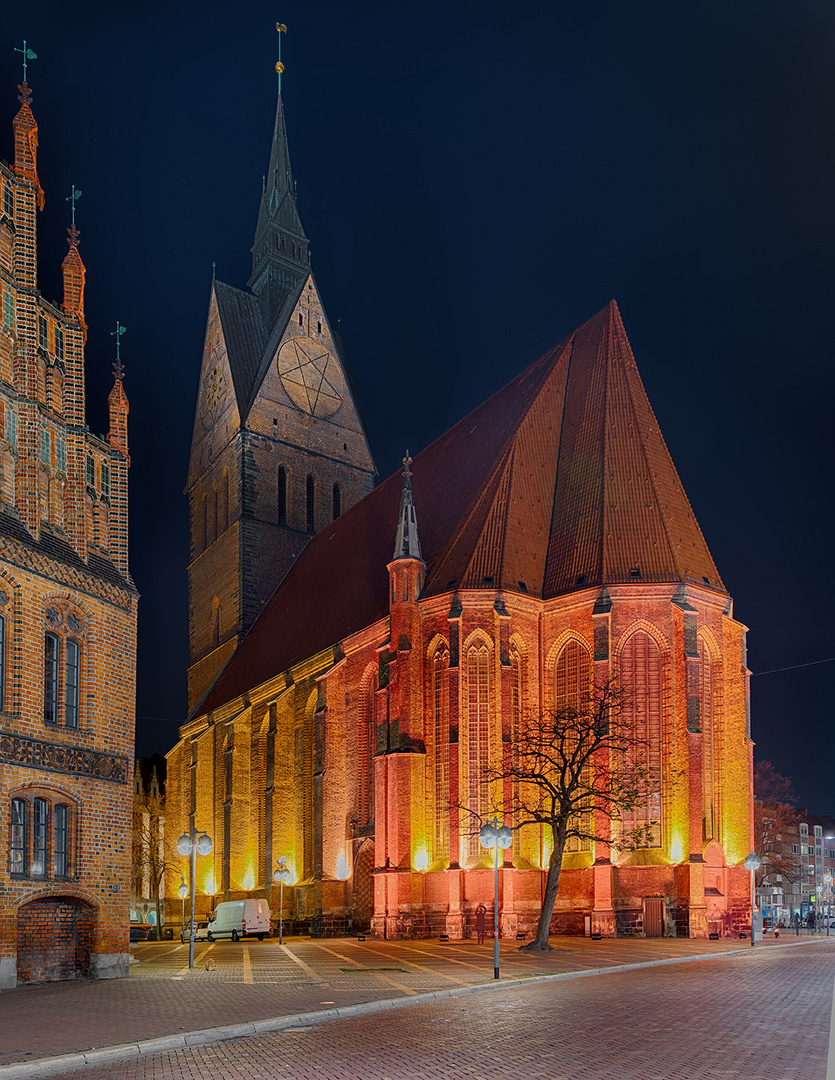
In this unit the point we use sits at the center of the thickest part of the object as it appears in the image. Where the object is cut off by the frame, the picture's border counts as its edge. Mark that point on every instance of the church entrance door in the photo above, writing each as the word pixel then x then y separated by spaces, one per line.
pixel 363 886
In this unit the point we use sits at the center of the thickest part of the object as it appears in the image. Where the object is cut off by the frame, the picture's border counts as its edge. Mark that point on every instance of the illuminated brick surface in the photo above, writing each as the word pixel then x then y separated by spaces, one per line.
pixel 64 571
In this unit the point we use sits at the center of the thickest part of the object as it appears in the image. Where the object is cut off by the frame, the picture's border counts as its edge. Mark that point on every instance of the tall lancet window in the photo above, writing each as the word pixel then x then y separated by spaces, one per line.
pixel 440 744
pixel 706 716
pixel 572 692
pixel 367 747
pixel 478 740
pixel 640 668
pixel 516 706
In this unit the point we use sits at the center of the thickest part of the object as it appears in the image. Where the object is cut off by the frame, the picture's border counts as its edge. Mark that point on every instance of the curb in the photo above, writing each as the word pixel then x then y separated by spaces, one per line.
pixel 124 1051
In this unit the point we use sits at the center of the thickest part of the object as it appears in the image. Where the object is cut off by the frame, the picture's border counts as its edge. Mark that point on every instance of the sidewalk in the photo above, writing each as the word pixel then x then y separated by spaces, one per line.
pixel 255 987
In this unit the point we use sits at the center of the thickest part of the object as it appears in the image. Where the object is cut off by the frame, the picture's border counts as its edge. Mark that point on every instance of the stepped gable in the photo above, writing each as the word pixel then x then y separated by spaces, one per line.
pixel 619 504
pixel 244 335
pixel 561 473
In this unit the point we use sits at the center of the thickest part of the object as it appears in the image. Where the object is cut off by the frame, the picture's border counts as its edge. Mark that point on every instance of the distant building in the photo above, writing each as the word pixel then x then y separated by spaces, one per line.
pixel 148 859
pixel 341 719
pixel 799 889
pixel 67 619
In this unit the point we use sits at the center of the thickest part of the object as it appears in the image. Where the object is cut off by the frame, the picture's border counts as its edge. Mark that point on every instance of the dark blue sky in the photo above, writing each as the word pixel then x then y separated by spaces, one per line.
pixel 476 180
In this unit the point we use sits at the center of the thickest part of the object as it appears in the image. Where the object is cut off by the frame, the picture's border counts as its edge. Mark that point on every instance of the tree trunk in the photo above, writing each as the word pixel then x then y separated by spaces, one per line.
pixel 540 942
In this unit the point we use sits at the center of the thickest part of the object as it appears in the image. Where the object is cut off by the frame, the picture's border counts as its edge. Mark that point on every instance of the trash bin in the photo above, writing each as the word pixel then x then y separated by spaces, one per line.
pixel 168 933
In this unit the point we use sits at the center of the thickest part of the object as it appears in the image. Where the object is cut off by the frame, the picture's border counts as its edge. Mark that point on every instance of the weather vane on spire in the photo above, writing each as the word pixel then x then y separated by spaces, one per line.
pixel 279 67
pixel 74 195
pixel 27 55
pixel 118 367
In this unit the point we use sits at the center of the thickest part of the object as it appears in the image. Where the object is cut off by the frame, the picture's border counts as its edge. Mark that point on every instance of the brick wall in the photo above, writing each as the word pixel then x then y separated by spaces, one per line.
pixel 54 940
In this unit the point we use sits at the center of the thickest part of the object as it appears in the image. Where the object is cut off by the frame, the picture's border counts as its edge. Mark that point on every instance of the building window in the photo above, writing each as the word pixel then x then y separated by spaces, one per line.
pixel 53 646
pixel 40 818
pixel 440 710
pixel 50 679
pixel 706 719
pixel 43 331
pixel 368 737
pixel 59 343
pixel 61 836
pixel 105 479
pixel 311 505
pixel 2 661
pixel 337 501
pixel 44 446
pixel 8 200
pixel 91 471
pixel 572 690
pixel 640 665
pixel 478 737
pixel 60 455
pixel 301 319
pixel 73 651
pixel 8 309
pixel 18 838
pixel 282 495
pixel 11 426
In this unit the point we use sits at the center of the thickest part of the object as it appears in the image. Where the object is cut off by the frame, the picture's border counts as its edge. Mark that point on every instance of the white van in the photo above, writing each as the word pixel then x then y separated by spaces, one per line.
pixel 240 918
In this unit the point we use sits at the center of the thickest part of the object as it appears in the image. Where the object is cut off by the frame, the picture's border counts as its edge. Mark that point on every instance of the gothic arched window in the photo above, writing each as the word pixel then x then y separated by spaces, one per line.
pixel 440 742
pixel 368 748
pixel 478 737
pixel 572 691
pixel 311 505
pixel 337 501
pixel 640 668
pixel 706 716
pixel 282 495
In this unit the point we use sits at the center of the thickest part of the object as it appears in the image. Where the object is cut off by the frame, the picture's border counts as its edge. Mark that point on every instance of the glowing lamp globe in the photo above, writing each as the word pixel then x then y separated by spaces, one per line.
pixel 184 845
pixel 204 845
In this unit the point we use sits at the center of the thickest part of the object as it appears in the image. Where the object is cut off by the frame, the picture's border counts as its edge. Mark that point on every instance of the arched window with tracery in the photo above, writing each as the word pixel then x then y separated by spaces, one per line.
pixel 516 706
pixel 440 743
pixel 572 692
pixel 706 717
pixel 640 668
pixel 282 495
pixel 478 739
pixel 368 747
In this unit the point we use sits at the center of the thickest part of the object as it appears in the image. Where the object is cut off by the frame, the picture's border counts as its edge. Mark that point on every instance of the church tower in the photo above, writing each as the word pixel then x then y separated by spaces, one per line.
pixel 279 449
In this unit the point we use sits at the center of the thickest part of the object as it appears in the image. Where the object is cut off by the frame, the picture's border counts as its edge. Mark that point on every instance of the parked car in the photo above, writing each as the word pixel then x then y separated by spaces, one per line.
pixel 201 932
pixel 240 918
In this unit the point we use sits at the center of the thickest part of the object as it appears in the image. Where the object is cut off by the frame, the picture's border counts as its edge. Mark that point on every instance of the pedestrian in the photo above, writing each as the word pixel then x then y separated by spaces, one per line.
pixel 776 931
pixel 480 922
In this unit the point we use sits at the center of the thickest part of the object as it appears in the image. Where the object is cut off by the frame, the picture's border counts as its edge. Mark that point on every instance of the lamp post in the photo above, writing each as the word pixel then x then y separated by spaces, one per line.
pixel 752 863
pixel 281 874
pixel 183 893
pixel 827 880
pixel 493 835
pixel 191 844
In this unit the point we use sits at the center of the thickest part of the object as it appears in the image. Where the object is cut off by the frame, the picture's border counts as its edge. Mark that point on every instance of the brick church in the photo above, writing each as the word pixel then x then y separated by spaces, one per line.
pixel 67 618
pixel 360 654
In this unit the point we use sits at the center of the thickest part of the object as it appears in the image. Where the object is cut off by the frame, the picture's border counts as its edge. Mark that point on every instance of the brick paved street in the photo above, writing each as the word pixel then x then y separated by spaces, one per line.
pixel 762 1015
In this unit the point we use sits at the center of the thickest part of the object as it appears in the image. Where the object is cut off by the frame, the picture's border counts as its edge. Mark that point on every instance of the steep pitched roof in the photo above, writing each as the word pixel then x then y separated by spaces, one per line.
pixel 561 480
pixel 245 337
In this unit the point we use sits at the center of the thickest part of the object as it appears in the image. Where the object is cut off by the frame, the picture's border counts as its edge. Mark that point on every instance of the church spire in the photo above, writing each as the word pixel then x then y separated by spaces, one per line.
pixel 280 255
pixel 407 544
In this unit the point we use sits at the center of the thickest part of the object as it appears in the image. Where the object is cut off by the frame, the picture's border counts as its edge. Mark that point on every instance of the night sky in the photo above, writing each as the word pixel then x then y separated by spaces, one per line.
pixel 476 180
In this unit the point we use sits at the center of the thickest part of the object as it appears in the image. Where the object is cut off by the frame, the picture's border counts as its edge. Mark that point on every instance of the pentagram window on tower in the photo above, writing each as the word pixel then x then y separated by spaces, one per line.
pixel 311 375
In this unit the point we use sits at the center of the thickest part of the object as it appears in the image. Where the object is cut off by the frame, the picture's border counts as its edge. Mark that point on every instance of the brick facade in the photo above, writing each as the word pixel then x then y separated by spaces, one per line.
pixel 67 620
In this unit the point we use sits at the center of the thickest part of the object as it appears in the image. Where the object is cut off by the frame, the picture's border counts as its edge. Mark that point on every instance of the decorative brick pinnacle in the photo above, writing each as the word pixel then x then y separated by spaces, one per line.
pixel 25 96
pixel 75 236
pixel 118 370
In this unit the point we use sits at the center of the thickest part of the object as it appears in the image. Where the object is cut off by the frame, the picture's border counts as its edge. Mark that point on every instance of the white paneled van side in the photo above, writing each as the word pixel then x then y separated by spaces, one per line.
pixel 240 918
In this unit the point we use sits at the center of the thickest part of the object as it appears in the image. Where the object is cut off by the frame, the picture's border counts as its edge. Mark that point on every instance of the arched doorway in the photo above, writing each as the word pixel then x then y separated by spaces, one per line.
pixel 54 939
pixel 363 887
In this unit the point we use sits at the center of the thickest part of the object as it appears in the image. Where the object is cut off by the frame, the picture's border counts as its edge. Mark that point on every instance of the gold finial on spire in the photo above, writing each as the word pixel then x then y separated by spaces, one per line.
pixel 279 67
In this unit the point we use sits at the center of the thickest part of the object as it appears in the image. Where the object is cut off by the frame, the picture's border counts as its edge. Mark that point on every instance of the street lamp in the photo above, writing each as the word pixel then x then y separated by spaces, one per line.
pixel 827 880
pixel 281 874
pixel 192 845
pixel 752 863
pixel 493 835
pixel 183 891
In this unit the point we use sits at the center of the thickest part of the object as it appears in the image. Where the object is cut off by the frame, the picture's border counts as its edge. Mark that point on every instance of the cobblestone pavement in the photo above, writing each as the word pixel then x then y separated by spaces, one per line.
pixel 762 1015
pixel 254 980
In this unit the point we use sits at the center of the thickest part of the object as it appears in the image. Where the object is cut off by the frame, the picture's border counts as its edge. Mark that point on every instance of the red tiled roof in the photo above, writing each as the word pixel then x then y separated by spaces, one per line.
pixel 560 480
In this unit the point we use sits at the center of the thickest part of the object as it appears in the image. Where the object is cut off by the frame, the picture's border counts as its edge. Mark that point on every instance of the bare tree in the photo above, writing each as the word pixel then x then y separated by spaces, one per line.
pixel 775 824
pixel 149 862
pixel 589 772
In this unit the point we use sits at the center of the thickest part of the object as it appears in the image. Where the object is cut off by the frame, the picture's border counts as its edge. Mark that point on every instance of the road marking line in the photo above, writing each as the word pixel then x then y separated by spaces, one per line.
pixel 420 967
pixel 247 966
pixel 302 964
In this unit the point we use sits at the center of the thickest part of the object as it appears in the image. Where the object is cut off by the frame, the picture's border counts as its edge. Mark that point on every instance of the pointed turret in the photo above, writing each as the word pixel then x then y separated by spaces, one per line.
pixel 407 544
pixel 280 258
pixel 26 142
pixel 74 273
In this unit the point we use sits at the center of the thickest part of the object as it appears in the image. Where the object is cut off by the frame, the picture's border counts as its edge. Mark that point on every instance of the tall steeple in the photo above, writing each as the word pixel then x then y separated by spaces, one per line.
pixel 280 255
